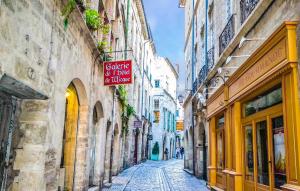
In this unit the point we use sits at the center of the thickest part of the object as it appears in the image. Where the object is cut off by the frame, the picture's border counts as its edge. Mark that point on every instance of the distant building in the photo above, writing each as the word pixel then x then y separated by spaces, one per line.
pixel 164 103
pixel 179 124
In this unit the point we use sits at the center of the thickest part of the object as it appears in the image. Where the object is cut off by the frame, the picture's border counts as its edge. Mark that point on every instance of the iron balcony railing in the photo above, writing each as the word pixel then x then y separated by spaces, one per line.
pixel 200 78
pixel 210 58
pixel 226 35
pixel 247 6
pixel 195 86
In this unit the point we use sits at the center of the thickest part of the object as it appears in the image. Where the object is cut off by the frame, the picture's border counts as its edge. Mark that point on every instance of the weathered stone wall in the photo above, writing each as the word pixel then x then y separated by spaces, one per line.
pixel 37 51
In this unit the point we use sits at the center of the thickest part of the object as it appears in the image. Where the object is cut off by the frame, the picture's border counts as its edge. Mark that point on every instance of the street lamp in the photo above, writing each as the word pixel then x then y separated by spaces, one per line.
pixel 243 40
pixel 229 58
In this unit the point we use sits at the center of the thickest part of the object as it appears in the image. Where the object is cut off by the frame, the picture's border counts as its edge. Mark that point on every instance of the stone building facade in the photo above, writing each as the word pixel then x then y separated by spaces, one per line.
pixel 164 106
pixel 61 128
pixel 250 55
pixel 195 128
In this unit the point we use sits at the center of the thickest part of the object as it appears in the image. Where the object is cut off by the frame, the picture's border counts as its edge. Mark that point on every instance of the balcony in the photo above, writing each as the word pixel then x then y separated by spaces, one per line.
pixel 226 35
pixel 210 58
pixel 200 78
pixel 247 6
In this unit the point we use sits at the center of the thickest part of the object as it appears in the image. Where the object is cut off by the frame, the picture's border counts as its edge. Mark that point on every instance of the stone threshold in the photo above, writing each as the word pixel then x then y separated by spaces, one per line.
pixel 188 171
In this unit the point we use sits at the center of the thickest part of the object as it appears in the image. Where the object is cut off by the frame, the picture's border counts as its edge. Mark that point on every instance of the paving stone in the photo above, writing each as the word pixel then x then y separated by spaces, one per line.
pixel 157 176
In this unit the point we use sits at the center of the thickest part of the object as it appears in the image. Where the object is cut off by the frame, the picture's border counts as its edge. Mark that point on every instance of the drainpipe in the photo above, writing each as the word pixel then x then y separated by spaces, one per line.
pixel 206 30
pixel 143 81
pixel 143 76
pixel 206 63
pixel 126 27
pixel 193 78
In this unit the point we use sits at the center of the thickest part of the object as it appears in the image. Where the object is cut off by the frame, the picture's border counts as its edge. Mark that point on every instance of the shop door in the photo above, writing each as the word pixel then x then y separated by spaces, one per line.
pixel 264 151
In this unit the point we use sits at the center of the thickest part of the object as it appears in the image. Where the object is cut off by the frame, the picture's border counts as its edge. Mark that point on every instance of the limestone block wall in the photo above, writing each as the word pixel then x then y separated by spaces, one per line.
pixel 37 51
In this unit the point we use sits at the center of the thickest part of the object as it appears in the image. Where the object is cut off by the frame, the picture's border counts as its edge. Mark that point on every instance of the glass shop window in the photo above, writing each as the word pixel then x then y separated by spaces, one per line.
pixel 220 144
pixel 263 101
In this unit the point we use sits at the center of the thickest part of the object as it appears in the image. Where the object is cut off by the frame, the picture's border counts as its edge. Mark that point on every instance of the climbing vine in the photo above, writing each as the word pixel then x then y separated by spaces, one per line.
pixel 127 109
pixel 67 10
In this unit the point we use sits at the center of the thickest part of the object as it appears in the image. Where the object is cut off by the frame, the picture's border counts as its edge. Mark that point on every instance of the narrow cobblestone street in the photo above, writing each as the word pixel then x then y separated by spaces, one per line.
pixel 155 176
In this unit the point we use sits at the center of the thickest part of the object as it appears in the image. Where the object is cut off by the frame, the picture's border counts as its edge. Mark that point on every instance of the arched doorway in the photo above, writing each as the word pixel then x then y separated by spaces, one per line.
pixel 136 145
pixel 75 138
pixel 94 155
pixel 70 136
pixel 186 143
pixel 164 148
pixel 171 149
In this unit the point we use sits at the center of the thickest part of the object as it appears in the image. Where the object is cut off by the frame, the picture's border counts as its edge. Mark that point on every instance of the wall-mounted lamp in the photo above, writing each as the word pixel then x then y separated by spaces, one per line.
pixel 229 58
pixel 201 98
pixel 243 40
pixel 220 70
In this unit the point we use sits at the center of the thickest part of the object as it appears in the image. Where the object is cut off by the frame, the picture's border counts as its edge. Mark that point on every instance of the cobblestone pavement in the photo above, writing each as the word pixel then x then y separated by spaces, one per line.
pixel 157 176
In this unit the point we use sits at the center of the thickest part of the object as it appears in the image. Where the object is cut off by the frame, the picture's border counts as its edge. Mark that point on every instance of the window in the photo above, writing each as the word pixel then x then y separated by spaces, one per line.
pixel 263 101
pixel 220 144
pixel 157 83
pixel 156 104
pixel 249 159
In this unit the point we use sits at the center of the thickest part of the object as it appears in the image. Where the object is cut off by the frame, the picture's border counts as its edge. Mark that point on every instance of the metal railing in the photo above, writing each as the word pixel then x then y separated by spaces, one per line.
pixel 226 35
pixel 200 78
pixel 247 6
pixel 210 58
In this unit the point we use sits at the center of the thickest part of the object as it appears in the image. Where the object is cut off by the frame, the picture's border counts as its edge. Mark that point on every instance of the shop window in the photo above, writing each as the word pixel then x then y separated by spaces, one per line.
pixel 249 171
pixel 279 152
pixel 262 153
pixel 263 101
pixel 220 144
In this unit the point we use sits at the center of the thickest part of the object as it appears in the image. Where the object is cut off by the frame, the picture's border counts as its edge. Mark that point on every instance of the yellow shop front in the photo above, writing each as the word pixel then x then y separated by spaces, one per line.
pixel 254 120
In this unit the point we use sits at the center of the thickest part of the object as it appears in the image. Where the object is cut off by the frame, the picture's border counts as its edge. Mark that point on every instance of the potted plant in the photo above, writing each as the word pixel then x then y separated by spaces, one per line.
pixel 155 151
pixel 93 20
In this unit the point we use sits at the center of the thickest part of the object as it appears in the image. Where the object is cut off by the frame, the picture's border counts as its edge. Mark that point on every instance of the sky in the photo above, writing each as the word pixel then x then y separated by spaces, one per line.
pixel 166 21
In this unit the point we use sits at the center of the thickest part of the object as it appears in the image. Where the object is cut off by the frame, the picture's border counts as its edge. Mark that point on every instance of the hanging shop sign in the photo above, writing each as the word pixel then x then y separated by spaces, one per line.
pixel 117 72
pixel 137 124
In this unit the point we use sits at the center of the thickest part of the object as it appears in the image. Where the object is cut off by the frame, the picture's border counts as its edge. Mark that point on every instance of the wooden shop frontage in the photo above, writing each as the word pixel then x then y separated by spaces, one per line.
pixel 254 120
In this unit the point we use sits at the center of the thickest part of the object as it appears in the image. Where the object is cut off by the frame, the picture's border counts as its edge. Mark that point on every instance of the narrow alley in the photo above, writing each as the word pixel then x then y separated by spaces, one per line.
pixel 157 175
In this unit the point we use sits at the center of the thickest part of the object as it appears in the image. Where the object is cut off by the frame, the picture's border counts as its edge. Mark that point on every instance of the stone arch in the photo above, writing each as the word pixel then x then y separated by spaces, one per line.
pixel 95 140
pixel 75 136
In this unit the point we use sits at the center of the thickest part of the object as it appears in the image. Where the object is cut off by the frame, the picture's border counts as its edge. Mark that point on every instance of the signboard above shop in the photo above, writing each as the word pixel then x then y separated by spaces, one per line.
pixel 117 72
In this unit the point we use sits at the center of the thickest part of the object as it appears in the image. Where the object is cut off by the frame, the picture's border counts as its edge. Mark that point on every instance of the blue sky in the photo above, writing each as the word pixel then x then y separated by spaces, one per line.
pixel 166 21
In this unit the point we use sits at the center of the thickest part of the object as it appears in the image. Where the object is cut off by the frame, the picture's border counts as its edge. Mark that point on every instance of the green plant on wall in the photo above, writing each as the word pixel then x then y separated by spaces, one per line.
pixel 92 18
pixel 102 46
pixel 155 149
pixel 67 10
pixel 127 110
